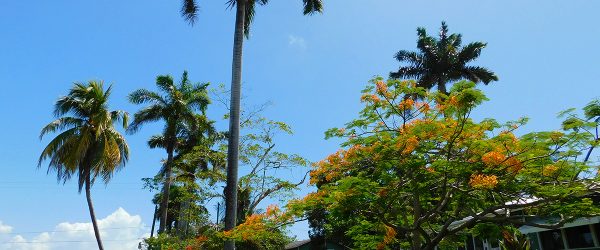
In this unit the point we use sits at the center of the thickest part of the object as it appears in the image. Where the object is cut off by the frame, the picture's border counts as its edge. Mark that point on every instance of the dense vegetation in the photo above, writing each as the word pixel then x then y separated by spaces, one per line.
pixel 414 171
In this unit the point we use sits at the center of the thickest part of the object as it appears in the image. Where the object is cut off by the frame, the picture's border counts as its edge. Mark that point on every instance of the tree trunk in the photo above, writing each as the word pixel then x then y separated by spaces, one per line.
pixel 164 203
pixel 92 213
pixel 153 221
pixel 442 86
pixel 182 222
pixel 234 123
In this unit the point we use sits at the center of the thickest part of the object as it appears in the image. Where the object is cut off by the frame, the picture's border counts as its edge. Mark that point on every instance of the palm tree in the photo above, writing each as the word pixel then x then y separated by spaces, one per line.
pixel 177 105
pixel 88 146
pixel 194 154
pixel 243 20
pixel 442 60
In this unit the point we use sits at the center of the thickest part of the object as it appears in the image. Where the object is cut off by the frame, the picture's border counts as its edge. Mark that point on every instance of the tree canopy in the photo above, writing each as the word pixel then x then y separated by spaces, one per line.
pixel 419 174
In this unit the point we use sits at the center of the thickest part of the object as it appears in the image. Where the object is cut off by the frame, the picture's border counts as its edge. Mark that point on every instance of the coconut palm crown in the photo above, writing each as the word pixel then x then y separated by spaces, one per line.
pixel 89 145
pixel 443 60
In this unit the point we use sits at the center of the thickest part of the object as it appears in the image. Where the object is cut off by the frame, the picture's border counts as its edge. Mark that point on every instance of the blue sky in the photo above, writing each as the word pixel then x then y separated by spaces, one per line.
pixel 311 68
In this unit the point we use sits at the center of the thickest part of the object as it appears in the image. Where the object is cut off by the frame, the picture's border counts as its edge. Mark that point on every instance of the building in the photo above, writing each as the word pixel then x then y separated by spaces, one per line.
pixel 305 245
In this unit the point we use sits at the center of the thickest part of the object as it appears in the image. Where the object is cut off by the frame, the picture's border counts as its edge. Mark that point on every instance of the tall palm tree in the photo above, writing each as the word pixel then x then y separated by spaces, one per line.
pixel 88 146
pixel 243 19
pixel 178 105
pixel 442 60
pixel 194 154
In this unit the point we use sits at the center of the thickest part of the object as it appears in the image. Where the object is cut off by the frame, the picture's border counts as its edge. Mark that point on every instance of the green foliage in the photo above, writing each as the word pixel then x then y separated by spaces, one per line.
pixel 208 241
pixel 592 110
pixel 514 240
pixel 421 173
pixel 487 230
pixel 198 168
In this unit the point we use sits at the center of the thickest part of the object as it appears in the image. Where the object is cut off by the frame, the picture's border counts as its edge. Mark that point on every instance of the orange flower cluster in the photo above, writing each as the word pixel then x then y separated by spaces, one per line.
pixel 390 235
pixel 513 165
pixel 272 210
pixel 336 164
pixel 201 238
pixel 326 168
pixel 353 151
pixel 370 98
pixel 556 135
pixel 509 140
pixel 549 170
pixel 256 224
pixel 381 87
pixel 481 181
pixel 313 197
pixel 423 106
pixel 493 158
pixel 453 101
pixel 410 145
pixel 383 192
pixel 406 104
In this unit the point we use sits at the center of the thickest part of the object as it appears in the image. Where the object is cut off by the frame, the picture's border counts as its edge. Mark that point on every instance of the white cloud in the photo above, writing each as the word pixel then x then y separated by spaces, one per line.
pixel 119 230
pixel 5 229
pixel 296 41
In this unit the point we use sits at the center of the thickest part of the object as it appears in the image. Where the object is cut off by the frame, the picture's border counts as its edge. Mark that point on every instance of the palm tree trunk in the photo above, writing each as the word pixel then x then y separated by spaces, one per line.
pixel 234 123
pixel 182 222
pixel 442 86
pixel 164 203
pixel 153 221
pixel 92 213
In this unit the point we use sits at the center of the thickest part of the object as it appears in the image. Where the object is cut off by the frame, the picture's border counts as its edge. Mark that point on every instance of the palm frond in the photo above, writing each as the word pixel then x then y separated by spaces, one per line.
pixel 456 40
pixel 249 16
pixel 68 104
pixel 471 52
pixel 312 6
pixel 443 31
pixel 146 115
pixel 410 57
pixel 145 96
pixel 409 72
pixel 55 144
pixel 479 74
pixel 120 116
pixel 61 124
pixel 157 141
pixel 189 11
pixel 165 83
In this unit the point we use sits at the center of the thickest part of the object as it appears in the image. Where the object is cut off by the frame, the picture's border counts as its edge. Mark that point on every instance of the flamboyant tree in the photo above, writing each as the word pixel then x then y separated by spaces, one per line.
pixel 417 174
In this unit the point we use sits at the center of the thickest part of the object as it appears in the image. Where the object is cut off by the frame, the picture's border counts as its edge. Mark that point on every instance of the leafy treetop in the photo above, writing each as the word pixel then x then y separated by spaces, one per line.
pixel 418 174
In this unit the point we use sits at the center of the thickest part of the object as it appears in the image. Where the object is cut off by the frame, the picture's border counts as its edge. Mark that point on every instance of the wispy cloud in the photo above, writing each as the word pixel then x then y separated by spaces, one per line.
pixel 297 41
